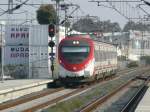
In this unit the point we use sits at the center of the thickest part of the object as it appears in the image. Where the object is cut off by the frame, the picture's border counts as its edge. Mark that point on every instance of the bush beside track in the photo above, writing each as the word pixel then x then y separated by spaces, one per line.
pixel 132 64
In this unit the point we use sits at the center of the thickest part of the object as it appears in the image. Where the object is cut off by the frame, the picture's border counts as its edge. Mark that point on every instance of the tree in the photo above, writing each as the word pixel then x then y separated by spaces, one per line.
pixel 108 26
pixel 88 25
pixel 135 26
pixel 116 27
pixel 129 26
pixel 46 14
pixel 146 59
pixel 84 25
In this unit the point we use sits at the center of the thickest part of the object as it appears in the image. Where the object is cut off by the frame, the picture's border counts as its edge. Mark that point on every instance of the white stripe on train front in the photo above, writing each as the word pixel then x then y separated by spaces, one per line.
pixel 87 72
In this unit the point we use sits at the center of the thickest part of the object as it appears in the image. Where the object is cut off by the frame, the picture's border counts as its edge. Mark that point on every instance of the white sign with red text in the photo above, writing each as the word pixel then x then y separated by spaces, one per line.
pixel 16 44
pixel 17 34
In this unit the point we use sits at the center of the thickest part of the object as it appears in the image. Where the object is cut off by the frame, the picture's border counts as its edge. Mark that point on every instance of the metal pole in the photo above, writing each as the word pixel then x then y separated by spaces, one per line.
pixel 57 21
pixel 52 61
pixel 65 20
pixel 57 33
pixel 2 55
pixel 10 11
pixel 10 6
pixel 128 50
pixel 142 45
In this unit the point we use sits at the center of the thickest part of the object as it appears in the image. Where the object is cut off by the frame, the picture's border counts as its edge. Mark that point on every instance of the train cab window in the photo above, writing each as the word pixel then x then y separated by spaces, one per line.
pixel 75 54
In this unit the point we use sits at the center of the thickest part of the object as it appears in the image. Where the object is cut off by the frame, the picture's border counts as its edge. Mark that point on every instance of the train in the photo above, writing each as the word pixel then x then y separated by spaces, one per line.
pixel 82 59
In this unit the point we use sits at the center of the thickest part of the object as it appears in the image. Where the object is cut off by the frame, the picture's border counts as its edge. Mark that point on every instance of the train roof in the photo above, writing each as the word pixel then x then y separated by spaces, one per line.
pixel 98 40
pixel 92 37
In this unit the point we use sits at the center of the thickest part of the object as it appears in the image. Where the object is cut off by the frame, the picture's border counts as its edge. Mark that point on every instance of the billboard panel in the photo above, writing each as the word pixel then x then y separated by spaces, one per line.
pixel 16 54
pixel 38 47
pixel 17 34
pixel 28 45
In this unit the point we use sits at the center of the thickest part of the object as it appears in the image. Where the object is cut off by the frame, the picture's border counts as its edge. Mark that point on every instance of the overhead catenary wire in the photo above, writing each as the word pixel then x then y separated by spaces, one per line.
pixel 32 5
pixel 15 8
pixel 127 8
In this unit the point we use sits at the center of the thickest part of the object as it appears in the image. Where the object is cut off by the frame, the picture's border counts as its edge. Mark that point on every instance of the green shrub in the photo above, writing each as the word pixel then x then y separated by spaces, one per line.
pixel 16 71
pixel 146 59
pixel 132 64
pixel 121 58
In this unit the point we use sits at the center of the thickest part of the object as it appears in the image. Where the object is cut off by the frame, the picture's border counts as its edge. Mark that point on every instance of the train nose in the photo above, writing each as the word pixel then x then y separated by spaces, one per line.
pixel 74 68
pixel 87 73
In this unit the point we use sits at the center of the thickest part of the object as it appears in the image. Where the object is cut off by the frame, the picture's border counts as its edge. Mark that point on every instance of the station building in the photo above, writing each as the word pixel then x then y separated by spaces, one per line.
pixel 139 44
pixel 132 44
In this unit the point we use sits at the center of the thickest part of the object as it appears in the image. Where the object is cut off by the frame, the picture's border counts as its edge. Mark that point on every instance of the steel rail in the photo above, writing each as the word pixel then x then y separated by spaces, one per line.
pixel 54 101
pixel 91 106
pixel 131 105
pixel 28 98
pixel 133 102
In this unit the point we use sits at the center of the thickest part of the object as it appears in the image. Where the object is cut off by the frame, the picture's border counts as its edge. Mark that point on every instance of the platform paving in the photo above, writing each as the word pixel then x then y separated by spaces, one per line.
pixel 12 89
pixel 144 105
pixel 17 84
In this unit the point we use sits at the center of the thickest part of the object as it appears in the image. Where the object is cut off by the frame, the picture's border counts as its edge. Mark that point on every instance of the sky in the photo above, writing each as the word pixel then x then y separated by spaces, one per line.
pixel 131 10
pixel 102 12
pixel 86 8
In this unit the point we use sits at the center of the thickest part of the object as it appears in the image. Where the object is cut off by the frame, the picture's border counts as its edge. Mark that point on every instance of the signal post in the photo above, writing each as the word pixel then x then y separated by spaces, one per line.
pixel 51 44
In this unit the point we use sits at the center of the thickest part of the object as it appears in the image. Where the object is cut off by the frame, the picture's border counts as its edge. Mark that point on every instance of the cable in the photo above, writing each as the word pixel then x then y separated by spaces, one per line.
pixel 26 4
pixel 15 8
pixel 18 6
pixel 2 9
pixel 3 13
pixel 147 3
pixel 78 5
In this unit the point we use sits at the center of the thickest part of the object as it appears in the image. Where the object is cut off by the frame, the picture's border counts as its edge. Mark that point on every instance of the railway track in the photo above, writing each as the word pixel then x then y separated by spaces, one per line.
pixel 133 102
pixel 91 106
pixel 10 106
pixel 126 70
pixel 28 98
pixel 129 107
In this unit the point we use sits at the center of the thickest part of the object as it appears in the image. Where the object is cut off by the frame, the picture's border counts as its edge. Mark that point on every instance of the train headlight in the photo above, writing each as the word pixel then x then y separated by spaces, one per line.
pixel 74 68
pixel 77 42
pixel 74 42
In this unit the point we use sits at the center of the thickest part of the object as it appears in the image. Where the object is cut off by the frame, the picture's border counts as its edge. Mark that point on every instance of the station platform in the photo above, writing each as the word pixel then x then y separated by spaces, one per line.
pixel 12 89
pixel 144 105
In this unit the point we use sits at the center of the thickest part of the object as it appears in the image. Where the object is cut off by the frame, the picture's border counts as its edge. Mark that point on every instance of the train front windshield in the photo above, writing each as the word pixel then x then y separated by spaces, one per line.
pixel 75 54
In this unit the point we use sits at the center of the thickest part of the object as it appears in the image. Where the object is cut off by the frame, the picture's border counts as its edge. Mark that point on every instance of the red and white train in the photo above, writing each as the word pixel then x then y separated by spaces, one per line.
pixel 82 58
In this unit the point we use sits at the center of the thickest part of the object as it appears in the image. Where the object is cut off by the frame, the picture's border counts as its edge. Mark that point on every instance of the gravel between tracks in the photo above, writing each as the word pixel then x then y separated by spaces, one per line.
pixel 117 102
pixel 98 91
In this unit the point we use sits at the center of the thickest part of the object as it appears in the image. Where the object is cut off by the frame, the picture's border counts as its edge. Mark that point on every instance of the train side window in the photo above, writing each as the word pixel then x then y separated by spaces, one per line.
pixel 111 54
pixel 102 56
pixel 108 54
pixel 96 55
